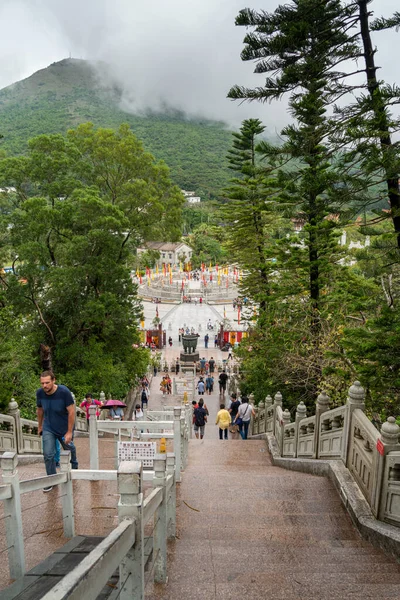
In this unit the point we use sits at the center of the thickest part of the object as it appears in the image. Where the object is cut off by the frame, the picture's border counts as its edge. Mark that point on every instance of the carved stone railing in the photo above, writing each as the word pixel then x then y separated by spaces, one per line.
pixel 31 441
pixel 343 433
pixel 8 441
pixel 306 438
pixel 123 548
pixel 21 435
pixel 331 427
pixel 362 453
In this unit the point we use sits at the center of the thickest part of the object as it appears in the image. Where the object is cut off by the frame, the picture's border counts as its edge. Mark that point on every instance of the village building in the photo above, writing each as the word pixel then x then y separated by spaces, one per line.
pixel 170 252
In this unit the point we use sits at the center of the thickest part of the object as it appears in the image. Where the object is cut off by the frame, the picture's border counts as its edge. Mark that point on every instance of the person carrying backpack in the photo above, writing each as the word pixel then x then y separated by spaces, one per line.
pixel 223 378
pixel 199 419
pixel 144 396
pixel 200 387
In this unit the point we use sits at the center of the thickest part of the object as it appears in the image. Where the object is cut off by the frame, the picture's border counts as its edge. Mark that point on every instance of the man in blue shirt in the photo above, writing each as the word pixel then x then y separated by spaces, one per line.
pixel 56 418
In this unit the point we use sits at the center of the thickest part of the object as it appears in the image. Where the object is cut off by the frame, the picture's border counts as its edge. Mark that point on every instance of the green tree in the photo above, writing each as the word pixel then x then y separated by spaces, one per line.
pixel 299 47
pixel 248 214
pixel 80 206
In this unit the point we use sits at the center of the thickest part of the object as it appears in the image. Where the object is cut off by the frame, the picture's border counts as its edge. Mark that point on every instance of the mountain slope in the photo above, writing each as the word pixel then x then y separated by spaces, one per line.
pixel 70 92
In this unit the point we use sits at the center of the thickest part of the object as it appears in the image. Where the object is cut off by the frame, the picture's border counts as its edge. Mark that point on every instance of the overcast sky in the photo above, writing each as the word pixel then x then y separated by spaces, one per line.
pixel 184 52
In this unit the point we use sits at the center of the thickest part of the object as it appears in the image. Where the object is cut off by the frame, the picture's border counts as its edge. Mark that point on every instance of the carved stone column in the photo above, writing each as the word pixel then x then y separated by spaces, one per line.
pixel 322 406
pixel 14 412
pixel 355 399
pixel 301 413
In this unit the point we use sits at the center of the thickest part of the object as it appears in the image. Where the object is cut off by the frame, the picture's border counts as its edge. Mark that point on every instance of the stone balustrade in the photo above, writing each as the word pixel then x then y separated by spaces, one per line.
pixel 21 435
pixel 343 433
pixel 123 548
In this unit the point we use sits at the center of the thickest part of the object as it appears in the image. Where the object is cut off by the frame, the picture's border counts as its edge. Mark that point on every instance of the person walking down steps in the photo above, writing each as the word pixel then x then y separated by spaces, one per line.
pixel 223 421
pixel 200 419
pixel 243 417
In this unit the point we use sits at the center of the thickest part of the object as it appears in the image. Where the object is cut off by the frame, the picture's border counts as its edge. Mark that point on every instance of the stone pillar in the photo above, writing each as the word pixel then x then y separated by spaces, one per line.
pixel 301 413
pixel 93 439
pixel 286 417
pixel 130 506
pixel 389 442
pixel 102 399
pixel 322 405
pixel 277 402
pixel 171 500
pixel 177 441
pixel 261 417
pixel 14 412
pixel 67 497
pixel 355 399
pixel 160 522
pixel 268 401
pixel 13 516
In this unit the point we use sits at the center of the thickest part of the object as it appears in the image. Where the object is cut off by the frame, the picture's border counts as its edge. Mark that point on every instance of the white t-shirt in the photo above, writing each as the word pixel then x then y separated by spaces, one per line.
pixel 138 415
pixel 244 411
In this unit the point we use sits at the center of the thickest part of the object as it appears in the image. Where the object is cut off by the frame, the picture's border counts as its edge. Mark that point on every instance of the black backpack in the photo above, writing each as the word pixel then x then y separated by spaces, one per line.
pixel 199 417
pixel 144 396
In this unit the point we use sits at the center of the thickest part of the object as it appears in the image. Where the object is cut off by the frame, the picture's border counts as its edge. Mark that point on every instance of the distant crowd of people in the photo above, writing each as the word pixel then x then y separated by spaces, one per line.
pixel 233 416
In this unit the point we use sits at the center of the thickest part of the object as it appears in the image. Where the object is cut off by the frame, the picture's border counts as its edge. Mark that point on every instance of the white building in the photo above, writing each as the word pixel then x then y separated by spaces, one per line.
pixel 170 252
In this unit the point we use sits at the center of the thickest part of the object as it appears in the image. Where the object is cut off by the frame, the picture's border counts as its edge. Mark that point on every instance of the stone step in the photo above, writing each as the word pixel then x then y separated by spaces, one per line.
pixel 263 532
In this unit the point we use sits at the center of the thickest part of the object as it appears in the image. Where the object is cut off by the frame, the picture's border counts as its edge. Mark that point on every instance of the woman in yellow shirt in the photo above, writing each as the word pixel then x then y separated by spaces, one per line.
pixel 223 421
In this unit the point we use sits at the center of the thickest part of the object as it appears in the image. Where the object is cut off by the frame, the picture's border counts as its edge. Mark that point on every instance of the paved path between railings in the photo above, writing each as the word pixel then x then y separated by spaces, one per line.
pixel 247 529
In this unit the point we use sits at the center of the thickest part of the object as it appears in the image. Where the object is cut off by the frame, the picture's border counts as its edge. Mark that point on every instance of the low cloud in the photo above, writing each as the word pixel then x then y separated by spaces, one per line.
pixel 179 53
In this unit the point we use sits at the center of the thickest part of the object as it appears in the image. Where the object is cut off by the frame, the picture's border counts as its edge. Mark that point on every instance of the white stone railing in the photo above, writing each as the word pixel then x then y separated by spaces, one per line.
pixel 145 430
pixel 331 439
pixel 306 438
pixel 363 454
pixel 344 433
pixel 123 547
pixel 8 436
pixel 21 435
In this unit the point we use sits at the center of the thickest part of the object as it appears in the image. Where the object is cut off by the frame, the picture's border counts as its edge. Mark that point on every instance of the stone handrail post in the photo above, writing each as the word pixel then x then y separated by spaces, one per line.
pixel 261 417
pixel 177 441
pixel 130 488
pixel 160 522
pixel 13 516
pixel 277 402
pixel 322 405
pixel 355 399
pixel 67 495
pixel 254 422
pixel 93 438
pixel 14 412
pixel 171 505
pixel 301 413
pixel 389 442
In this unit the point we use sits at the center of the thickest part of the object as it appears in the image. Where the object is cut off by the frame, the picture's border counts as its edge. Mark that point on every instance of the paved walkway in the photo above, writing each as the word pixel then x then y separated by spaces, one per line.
pixel 247 529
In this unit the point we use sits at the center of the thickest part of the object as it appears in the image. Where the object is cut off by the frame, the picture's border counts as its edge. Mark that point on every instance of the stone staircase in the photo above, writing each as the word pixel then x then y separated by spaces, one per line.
pixel 247 529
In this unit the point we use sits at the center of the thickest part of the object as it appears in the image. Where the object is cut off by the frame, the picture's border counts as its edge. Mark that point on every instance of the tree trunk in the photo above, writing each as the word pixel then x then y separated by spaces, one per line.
pixel 45 357
pixel 378 107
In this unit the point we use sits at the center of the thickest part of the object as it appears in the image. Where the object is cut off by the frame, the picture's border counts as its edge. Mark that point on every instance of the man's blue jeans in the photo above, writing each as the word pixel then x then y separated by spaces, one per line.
pixel 49 452
pixel 243 429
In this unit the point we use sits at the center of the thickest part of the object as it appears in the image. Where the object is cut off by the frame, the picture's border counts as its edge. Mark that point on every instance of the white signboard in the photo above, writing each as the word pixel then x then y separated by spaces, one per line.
pixel 143 451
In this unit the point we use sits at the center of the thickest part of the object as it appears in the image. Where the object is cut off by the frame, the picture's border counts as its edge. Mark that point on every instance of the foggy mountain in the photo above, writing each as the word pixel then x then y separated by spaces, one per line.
pixel 74 91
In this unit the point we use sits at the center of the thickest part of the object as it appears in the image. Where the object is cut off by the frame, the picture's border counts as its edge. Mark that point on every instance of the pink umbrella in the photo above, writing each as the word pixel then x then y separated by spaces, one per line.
pixel 111 403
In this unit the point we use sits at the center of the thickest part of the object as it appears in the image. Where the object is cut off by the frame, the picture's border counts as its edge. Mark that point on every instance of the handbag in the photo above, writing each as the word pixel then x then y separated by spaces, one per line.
pixel 239 420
